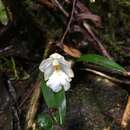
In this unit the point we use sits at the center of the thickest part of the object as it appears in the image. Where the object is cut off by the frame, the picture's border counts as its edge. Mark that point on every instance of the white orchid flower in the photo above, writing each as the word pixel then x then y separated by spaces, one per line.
pixel 57 72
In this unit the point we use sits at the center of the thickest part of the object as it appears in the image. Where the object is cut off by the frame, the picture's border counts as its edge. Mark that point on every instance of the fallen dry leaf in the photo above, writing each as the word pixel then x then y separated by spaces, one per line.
pixel 82 13
pixel 71 51
pixel 47 3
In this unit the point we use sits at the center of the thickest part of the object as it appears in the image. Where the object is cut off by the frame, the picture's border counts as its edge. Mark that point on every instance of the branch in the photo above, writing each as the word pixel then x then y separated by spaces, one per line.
pixel 68 26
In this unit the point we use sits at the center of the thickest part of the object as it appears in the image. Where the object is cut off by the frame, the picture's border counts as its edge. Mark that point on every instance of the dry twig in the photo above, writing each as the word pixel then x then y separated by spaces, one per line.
pixel 103 50
pixel 68 26
pixel 108 77
pixel 33 105
pixel 61 8
pixel 126 115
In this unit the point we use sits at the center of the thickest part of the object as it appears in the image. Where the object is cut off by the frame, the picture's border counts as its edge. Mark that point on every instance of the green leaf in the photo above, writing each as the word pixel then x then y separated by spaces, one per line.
pixel 49 95
pixel 44 121
pixel 61 103
pixel 102 61
pixel 55 100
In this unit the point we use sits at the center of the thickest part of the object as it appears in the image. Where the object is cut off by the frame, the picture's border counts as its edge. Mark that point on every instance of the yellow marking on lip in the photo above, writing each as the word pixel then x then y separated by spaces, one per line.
pixel 57 67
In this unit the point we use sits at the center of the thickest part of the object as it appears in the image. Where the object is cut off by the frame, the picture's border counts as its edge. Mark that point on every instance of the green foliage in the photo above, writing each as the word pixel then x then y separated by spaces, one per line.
pixel 49 96
pixel 124 2
pixel 15 72
pixel 8 64
pixel 44 121
pixel 61 105
pixel 3 14
pixel 102 61
pixel 5 63
pixel 55 100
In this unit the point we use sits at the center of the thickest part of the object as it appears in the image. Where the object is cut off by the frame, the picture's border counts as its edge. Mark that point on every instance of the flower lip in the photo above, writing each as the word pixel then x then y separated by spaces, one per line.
pixel 58 80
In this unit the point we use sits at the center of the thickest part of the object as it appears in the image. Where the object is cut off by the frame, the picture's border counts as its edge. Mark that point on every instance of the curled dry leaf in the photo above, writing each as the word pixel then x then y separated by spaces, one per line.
pixel 47 3
pixel 84 13
pixel 71 51
pixel 94 18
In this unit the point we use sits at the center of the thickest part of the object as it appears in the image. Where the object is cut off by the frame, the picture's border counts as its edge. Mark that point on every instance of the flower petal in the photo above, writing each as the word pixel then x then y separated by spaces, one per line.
pixel 65 77
pixel 56 56
pixel 65 62
pixel 67 70
pixel 48 72
pixel 45 64
pixel 66 67
pixel 66 86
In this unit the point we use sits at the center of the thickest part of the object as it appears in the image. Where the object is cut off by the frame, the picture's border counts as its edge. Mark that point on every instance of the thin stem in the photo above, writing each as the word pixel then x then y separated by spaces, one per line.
pixel 68 26
pixel 61 8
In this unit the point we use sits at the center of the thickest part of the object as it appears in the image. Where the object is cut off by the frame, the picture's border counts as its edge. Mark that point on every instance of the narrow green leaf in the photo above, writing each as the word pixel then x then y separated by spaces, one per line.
pixel 61 103
pixel 55 100
pixel 49 95
pixel 44 121
pixel 102 61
